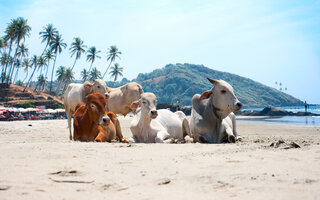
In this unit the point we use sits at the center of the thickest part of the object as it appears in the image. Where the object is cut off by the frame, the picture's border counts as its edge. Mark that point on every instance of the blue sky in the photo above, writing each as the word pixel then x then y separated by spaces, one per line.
pixel 266 41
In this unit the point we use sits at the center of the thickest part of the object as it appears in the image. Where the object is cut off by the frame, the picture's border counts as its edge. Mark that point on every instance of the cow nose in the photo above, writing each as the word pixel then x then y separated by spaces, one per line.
pixel 106 95
pixel 239 105
pixel 154 112
pixel 106 120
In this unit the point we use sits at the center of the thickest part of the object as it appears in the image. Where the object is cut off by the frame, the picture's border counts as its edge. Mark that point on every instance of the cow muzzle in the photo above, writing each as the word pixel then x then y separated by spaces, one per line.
pixel 238 106
pixel 106 95
pixel 105 120
pixel 153 114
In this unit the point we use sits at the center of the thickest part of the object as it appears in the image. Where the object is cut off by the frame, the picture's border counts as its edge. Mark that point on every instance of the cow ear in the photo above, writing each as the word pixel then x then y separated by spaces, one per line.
pixel 134 106
pixel 206 95
pixel 213 81
pixel 87 84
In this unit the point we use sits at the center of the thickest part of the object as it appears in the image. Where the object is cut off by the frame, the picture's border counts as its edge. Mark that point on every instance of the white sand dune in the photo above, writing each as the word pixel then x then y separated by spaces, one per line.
pixel 39 162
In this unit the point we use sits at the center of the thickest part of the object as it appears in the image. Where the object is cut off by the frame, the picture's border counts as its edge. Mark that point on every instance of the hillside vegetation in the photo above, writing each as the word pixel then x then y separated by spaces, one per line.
pixel 182 81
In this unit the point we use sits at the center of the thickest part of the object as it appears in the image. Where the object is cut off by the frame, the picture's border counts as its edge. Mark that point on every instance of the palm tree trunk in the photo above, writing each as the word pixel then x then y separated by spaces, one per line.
pixel 106 70
pixel 45 48
pixel 54 63
pixel 14 60
pixel 25 77
pixel 74 63
pixel 36 87
pixel 15 76
pixel 10 79
pixel 5 71
pixel 35 67
pixel 90 67
pixel 47 69
pixel 115 77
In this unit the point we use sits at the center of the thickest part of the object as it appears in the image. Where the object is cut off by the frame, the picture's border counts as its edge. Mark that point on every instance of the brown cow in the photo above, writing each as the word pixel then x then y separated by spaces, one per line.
pixel 110 129
pixel 88 117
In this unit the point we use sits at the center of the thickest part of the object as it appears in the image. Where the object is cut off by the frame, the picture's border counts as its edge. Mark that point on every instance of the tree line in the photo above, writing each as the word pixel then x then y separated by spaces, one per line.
pixel 15 56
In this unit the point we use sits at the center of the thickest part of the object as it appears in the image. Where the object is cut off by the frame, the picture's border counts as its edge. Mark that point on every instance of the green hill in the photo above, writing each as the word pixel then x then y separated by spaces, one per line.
pixel 182 81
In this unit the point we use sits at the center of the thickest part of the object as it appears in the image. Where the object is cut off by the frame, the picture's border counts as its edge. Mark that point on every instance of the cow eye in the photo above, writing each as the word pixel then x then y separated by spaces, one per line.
pixel 223 91
pixel 98 86
pixel 92 106
pixel 144 102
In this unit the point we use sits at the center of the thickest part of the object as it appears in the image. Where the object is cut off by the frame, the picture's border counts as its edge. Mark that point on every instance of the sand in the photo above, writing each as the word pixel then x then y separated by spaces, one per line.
pixel 39 162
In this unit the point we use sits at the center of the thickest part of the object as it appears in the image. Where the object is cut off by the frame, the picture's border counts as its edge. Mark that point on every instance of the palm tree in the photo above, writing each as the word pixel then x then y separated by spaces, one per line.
pixel 26 64
pixel 60 73
pixel 22 52
pixel 116 71
pixel 68 78
pixel 41 81
pixel 17 65
pixel 41 64
pixel 56 46
pixel 21 30
pixel 3 61
pixel 84 74
pixel 48 55
pixel 48 33
pixel 9 37
pixel 92 55
pixel 112 54
pixel 2 44
pixel 34 62
pixel 77 47
pixel 94 74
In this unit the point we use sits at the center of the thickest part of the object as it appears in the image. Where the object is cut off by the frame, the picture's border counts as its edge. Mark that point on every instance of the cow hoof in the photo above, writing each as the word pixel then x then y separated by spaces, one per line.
pixel 188 139
pixel 125 140
pixel 231 139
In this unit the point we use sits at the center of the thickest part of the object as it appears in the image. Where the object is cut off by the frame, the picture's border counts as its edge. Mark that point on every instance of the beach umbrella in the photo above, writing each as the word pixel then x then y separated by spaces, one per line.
pixel 2 108
pixel 14 109
pixel 23 110
pixel 51 111
pixel 60 110
pixel 32 109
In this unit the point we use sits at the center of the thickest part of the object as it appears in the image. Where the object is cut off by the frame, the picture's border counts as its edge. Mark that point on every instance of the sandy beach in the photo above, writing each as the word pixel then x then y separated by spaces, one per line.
pixel 39 162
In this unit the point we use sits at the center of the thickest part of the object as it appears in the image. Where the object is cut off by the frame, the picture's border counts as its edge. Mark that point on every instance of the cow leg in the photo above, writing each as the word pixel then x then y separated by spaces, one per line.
pixel 233 120
pixel 116 123
pixel 68 113
pixel 163 137
pixel 186 128
pixel 229 132
pixel 100 137
pixel 131 140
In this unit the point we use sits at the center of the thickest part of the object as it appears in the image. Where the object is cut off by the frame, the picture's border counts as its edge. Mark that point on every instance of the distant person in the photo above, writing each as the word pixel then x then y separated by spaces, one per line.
pixel 178 106
pixel 305 106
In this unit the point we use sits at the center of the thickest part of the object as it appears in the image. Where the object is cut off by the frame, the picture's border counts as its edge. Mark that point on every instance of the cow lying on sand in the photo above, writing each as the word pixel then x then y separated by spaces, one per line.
pixel 150 125
pixel 93 123
pixel 212 119
pixel 121 98
pixel 76 93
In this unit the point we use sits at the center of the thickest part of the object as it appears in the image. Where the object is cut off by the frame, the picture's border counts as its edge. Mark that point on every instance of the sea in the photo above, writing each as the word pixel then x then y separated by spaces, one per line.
pixel 297 120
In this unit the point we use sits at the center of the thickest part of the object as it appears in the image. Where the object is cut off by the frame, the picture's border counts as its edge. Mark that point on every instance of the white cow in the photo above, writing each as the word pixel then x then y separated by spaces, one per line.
pixel 161 126
pixel 121 98
pixel 212 118
pixel 76 93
